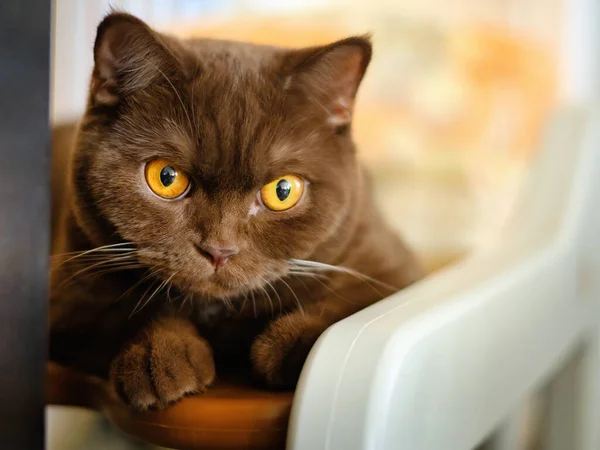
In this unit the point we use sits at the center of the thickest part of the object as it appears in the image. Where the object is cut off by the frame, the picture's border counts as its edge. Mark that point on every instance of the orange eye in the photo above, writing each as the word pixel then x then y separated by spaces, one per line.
pixel 165 180
pixel 283 193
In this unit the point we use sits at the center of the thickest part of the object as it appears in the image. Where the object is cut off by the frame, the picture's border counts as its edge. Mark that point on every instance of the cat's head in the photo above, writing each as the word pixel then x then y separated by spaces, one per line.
pixel 220 161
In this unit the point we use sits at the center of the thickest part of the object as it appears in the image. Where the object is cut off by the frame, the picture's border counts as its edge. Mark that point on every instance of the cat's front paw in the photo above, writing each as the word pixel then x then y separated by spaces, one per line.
pixel 278 354
pixel 161 367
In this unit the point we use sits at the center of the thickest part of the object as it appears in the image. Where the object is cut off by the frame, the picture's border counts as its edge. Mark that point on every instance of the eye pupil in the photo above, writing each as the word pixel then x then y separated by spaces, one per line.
pixel 167 176
pixel 283 189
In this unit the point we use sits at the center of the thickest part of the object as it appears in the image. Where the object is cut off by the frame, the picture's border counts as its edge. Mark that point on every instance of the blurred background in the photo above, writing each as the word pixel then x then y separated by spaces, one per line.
pixel 452 108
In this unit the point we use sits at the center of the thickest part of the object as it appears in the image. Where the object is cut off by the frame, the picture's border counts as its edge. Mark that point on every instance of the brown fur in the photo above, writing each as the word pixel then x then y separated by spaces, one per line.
pixel 233 116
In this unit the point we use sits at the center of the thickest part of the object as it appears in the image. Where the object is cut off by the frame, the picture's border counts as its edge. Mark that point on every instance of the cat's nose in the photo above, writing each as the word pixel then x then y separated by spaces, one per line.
pixel 217 255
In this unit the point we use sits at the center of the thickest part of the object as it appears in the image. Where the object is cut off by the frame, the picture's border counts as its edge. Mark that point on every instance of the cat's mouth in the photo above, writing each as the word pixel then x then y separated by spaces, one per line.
pixel 227 284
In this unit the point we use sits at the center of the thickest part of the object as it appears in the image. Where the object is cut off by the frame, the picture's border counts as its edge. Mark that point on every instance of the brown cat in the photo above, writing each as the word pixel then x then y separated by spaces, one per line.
pixel 214 213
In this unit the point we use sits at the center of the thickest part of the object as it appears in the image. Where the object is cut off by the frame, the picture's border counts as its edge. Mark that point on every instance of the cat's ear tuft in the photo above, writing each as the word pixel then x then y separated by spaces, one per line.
pixel 331 75
pixel 127 56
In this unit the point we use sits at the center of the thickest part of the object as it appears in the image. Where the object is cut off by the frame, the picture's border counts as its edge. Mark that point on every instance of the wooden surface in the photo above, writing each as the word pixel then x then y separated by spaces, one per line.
pixel 24 219
pixel 228 416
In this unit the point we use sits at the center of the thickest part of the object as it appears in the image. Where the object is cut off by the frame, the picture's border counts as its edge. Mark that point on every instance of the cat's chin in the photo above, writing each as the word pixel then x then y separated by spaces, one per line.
pixel 220 289
pixel 228 287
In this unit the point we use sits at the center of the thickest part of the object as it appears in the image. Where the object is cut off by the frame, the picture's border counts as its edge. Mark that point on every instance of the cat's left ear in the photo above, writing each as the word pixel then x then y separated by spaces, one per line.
pixel 330 76
pixel 128 56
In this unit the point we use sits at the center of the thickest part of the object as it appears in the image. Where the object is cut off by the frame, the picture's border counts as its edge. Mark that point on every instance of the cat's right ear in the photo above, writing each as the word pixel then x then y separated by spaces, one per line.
pixel 128 56
pixel 329 76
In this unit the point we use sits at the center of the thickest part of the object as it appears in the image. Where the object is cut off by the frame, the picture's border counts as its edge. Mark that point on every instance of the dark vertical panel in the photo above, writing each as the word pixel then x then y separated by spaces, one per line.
pixel 24 218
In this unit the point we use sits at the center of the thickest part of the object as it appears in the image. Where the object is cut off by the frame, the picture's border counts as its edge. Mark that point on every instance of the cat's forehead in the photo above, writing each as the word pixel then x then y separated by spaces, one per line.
pixel 231 55
pixel 235 153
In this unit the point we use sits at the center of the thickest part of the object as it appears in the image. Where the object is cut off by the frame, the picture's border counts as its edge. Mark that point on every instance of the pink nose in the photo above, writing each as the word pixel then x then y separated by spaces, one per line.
pixel 218 256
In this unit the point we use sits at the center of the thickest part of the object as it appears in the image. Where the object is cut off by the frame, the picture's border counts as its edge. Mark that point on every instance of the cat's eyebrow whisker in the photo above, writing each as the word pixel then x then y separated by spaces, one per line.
pixel 192 96
pixel 179 97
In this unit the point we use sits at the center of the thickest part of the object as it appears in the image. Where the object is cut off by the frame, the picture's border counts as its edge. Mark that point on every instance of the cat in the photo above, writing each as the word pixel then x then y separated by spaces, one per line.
pixel 210 213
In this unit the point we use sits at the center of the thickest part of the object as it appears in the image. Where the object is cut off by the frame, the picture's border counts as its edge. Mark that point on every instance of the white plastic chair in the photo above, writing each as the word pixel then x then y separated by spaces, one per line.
pixel 444 363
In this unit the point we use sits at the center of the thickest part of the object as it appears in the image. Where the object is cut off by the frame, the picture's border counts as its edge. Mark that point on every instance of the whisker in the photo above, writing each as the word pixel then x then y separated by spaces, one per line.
pixel 140 281
pixel 253 303
pixel 303 264
pixel 307 273
pixel 142 297
pixel 228 303
pixel 278 297
pixel 301 281
pixel 189 297
pixel 337 294
pixel 185 299
pixel 274 290
pixel 97 249
pixel 192 97
pixel 244 302
pixel 169 292
pixel 106 262
pixel 268 296
pixel 180 100
pixel 294 294
pixel 160 286
pixel 114 268
pixel 92 266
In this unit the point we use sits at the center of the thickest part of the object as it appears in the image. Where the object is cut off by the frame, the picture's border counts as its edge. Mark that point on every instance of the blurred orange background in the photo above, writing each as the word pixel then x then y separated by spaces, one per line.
pixel 448 117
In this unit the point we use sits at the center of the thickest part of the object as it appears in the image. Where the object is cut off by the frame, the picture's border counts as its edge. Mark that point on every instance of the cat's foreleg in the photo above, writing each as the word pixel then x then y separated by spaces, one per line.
pixel 166 361
pixel 279 352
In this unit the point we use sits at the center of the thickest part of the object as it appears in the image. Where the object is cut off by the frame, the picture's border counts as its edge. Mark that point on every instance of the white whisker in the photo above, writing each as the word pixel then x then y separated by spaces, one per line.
pixel 303 265
pixel 267 295
pixel 294 294
pixel 97 249
pixel 140 281
pixel 126 257
pixel 244 302
pixel 180 100
pixel 160 286
pixel 253 303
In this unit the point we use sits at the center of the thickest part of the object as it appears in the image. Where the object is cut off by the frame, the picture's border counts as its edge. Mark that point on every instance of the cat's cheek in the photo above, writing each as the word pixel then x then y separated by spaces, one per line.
pixel 254 209
pixel 279 353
